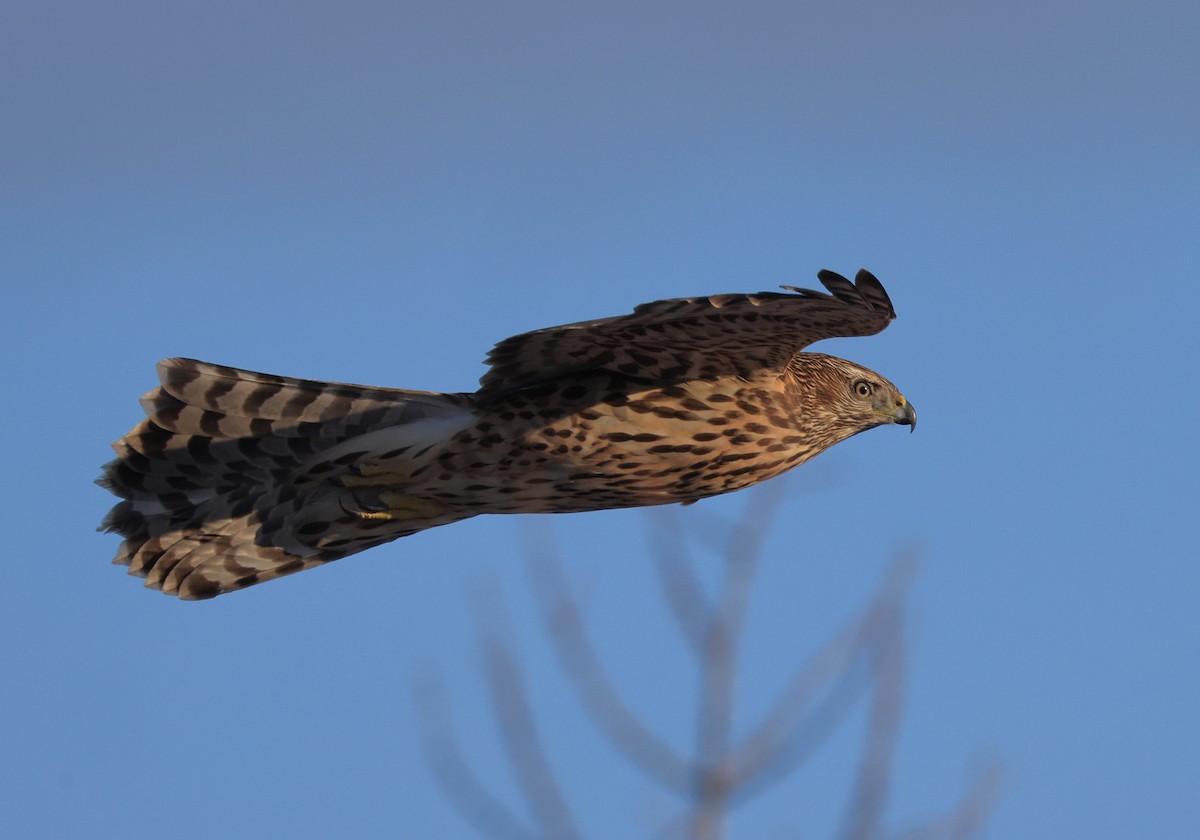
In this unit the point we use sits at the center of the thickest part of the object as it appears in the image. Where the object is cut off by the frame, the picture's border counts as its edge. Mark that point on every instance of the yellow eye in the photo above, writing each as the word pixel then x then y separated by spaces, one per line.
pixel 863 388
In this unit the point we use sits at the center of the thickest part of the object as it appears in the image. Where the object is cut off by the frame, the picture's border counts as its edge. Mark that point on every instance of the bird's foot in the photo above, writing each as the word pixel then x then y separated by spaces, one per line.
pixel 395 506
pixel 370 475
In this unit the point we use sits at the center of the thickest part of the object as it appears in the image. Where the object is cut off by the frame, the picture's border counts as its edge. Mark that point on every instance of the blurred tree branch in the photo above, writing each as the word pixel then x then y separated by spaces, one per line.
pixel 865 658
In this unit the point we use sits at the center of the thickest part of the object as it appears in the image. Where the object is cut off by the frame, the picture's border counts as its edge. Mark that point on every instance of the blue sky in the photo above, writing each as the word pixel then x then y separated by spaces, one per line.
pixel 375 193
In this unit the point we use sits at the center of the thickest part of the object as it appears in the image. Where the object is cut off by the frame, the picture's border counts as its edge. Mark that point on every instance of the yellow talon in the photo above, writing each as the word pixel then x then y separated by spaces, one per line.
pixel 372 514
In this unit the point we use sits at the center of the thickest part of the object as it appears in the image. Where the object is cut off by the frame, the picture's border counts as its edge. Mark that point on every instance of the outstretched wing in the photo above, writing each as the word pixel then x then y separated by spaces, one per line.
pixel 695 338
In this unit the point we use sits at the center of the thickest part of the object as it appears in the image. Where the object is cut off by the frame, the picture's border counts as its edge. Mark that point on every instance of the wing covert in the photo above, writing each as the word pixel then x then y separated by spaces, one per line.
pixel 697 337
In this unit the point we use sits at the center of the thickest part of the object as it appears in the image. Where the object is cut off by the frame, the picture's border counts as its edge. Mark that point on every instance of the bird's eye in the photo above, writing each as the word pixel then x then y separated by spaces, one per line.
pixel 863 388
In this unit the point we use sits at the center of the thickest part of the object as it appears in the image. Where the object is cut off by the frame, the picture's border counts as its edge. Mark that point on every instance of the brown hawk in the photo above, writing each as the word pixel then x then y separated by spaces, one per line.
pixel 236 477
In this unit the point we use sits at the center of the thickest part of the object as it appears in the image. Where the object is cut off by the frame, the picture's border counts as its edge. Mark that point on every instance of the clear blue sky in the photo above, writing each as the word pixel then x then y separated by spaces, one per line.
pixel 376 192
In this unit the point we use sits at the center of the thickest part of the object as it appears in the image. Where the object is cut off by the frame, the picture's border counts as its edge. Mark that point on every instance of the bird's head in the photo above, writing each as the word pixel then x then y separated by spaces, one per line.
pixel 847 397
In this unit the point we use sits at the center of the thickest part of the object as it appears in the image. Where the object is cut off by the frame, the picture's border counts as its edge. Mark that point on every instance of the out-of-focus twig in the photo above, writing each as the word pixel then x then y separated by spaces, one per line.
pixel 969 816
pixel 690 605
pixel 715 779
pixel 864 811
pixel 865 659
pixel 453 773
pixel 515 721
pixel 604 703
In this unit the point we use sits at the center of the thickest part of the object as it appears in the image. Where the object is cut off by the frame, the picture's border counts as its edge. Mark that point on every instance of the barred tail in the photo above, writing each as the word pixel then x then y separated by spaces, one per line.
pixel 234 477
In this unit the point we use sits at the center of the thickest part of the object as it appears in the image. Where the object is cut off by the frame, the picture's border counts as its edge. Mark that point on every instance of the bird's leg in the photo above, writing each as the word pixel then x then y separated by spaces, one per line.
pixel 374 475
pixel 372 501
pixel 392 505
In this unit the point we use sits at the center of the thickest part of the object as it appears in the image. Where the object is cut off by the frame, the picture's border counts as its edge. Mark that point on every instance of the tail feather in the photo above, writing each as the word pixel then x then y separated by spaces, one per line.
pixel 234 476
pixel 262 396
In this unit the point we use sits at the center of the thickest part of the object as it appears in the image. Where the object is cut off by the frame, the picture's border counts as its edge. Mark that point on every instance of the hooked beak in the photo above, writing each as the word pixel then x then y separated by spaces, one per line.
pixel 905 415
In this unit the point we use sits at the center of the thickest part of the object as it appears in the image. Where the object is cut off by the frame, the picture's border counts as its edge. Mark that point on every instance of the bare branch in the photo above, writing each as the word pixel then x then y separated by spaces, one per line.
pixel 690 606
pixel 798 723
pixel 603 702
pixel 790 748
pixel 866 658
pixel 969 817
pixel 515 720
pixel 453 773
pixel 864 812
pixel 718 665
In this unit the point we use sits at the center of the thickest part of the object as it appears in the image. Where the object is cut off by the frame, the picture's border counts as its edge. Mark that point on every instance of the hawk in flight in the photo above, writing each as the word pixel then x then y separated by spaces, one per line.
pixel 235 477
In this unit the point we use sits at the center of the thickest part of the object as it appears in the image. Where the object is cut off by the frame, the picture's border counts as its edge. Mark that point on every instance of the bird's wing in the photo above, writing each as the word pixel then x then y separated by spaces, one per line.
pixel 695 338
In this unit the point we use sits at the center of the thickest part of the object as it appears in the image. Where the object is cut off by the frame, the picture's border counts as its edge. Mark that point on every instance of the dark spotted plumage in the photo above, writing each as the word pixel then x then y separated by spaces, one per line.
pixel 236 477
